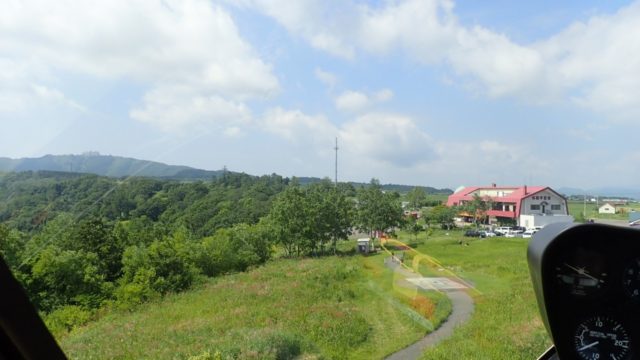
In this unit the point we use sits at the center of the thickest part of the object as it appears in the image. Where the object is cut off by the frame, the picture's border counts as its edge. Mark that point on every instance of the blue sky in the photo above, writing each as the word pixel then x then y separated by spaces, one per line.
pixel 423 92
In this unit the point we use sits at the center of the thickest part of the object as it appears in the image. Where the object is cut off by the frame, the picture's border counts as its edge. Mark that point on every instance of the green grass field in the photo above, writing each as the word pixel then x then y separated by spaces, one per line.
pixel 576 208
pixel 505 324
pixel 318 308
pixel 333 307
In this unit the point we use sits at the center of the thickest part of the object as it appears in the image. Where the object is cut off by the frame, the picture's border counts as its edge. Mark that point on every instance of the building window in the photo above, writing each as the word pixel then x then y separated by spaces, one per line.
pixel 535 207
pixel 555 207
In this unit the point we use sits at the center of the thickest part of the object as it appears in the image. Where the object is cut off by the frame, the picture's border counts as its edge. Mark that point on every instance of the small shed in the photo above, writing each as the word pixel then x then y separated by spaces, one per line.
pixel 365 245
pixel 607 209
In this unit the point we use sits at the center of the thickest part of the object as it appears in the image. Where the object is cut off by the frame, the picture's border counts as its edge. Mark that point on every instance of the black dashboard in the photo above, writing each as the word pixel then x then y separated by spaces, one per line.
pixel 587 282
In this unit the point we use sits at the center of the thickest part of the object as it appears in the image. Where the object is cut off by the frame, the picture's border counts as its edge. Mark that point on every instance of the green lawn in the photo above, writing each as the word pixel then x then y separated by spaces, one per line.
pixel 576 208
pixel 318 308
pixel 505 324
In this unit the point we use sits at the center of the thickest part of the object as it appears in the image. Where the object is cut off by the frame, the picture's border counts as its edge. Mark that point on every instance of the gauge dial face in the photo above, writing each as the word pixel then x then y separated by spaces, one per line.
pixel 602 337
pixel 631 279
pixel 579 279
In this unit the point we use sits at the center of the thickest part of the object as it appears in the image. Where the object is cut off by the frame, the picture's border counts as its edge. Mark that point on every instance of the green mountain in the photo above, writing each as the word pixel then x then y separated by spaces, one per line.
pixel 105 165
pixel 118 166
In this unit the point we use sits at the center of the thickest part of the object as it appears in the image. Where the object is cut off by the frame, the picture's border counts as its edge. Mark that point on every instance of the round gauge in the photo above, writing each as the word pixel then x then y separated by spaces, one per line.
pixel 601 337
pixel 580 280
pixel 631 279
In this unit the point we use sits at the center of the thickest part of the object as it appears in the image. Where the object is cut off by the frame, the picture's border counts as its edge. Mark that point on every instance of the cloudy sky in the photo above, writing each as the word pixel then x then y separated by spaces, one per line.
pixel 428 92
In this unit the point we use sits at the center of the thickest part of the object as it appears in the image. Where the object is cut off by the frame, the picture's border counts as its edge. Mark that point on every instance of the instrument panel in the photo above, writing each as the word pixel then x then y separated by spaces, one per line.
pixel 587 283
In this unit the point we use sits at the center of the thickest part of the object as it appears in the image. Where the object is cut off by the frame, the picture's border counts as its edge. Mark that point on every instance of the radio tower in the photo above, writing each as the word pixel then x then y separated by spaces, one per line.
pixel 336 149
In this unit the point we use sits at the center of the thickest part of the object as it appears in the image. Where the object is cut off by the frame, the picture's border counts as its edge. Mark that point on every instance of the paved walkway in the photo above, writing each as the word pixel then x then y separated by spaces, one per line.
pixel 461 310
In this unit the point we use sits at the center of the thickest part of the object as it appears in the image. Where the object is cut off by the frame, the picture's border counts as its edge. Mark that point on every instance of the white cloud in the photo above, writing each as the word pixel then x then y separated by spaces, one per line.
pixel 54 95
pixel 301 17
pixel 380 138
pixel 383 95
pixel 174 109
pixel 298 127
pixel 233 132
pixel 326 77
pixel 389 138
pixel 593 63
pixel 159 44
pixel 487 161
pixel 356 101
pixel 352 101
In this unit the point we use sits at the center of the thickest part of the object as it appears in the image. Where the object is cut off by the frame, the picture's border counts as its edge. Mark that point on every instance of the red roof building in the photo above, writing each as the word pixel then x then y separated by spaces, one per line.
pixel 514 201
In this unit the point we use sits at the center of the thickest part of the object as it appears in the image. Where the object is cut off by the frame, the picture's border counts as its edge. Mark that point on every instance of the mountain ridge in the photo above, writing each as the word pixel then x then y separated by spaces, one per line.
pixel 106 165
pixel 120 166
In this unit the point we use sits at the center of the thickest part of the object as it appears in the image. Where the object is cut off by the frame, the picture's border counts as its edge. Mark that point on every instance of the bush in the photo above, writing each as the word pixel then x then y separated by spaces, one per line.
pixel 139 290
pixel 234 249
pixel 257 344
pixel 67 277
pixel 66 318
pixel 164 266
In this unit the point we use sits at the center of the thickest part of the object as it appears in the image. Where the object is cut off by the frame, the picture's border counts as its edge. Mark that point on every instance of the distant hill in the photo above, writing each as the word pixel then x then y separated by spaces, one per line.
pixel 106 165
pixel 118 166
pixel 387 187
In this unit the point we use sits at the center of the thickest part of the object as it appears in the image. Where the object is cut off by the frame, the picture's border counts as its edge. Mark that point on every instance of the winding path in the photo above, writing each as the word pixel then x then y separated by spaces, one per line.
pixel 461 310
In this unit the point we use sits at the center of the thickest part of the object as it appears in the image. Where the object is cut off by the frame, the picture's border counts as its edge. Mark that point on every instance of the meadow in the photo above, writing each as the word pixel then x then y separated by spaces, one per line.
pixel 330 307
pixel 315 308
pixel 577 208
pixel 505 323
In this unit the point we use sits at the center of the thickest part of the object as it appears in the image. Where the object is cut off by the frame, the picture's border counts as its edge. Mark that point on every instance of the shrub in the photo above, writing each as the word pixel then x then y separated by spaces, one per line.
pixel 66 318
pixel 68 277
pixel 139 290
pixel 164 266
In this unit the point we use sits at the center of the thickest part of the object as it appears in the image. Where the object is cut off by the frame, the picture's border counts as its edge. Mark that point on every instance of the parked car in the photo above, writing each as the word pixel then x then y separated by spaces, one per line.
pixel 514 233
pixel 502 230
pixel 488 233
pixel 529 233
pixel 474 233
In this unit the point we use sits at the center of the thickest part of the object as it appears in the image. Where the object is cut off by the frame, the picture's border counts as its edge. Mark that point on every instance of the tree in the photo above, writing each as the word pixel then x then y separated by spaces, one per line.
pixel 289 218
pixel 412 226
pixel 478 207
pixel 330 213
pixel 376 210
pixel 417 198
pixel 11 246
pixel 442 215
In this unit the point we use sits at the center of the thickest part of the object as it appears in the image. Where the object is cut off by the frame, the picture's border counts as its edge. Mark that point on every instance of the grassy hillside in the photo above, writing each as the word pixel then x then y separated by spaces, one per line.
pixel 106 165
pixel 505 324
pixel 332 308
pixel 322 308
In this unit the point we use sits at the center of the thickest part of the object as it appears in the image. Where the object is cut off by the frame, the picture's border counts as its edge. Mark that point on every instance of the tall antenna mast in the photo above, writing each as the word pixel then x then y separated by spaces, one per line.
pixel 336 149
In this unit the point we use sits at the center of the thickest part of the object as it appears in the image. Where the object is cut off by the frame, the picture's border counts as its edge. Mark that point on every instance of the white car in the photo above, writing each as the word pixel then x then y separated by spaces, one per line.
pixel 529 233
pixel 488 233
pixel 503 230
pixel 513 233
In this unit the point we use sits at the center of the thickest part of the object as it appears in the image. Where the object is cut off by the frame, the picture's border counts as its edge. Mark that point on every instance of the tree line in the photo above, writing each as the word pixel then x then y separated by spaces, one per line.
pixel 79 243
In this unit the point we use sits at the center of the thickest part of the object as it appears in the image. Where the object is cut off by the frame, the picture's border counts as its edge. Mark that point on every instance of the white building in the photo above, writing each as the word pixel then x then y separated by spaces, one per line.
pixel 607 209
pixel 529 206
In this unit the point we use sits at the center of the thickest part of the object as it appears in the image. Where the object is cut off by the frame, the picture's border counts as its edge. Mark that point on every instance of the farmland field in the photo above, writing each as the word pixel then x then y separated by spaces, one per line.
pixel 576 208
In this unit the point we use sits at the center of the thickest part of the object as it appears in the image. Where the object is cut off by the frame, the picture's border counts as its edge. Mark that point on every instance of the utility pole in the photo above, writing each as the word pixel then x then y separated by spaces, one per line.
pixel 584 209
pixel 336 149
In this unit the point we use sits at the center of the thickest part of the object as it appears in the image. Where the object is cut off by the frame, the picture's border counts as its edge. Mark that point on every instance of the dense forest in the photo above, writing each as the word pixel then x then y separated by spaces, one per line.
pixel 81 242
